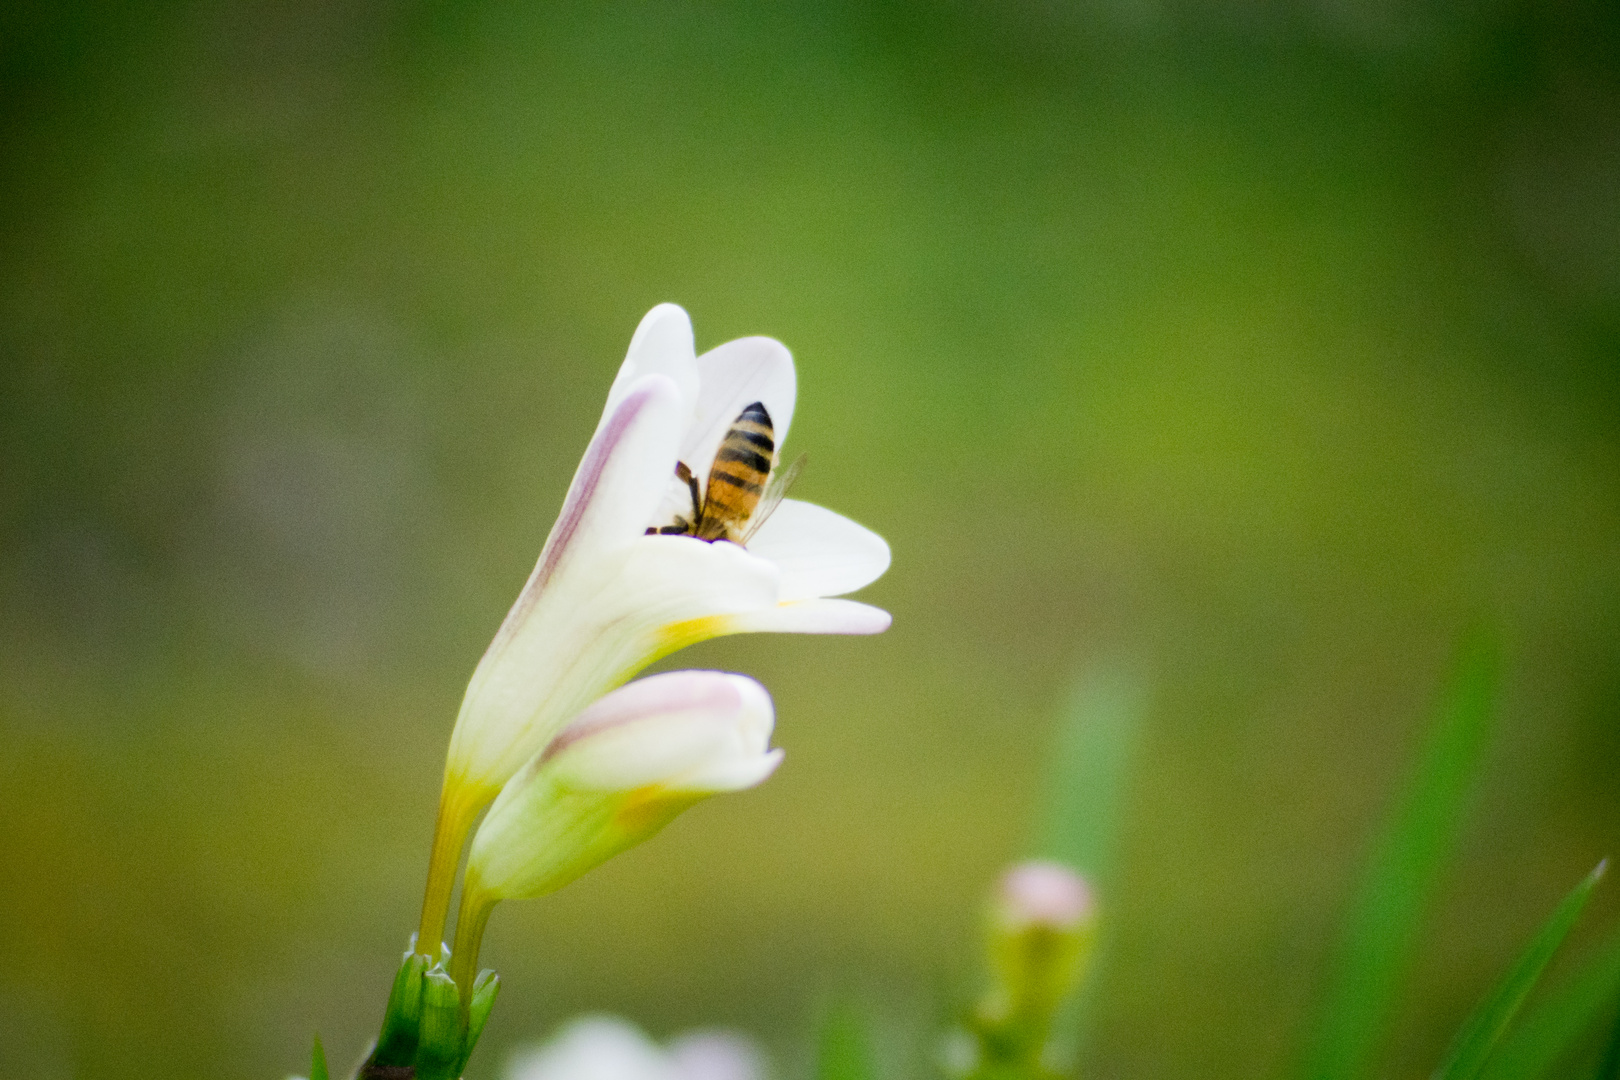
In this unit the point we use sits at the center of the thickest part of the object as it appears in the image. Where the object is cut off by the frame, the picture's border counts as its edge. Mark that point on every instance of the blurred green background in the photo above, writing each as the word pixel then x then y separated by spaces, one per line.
pixel 1252 350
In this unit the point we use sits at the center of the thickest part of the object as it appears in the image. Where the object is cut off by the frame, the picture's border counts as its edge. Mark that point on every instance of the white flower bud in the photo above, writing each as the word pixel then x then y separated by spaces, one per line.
pixel 620 772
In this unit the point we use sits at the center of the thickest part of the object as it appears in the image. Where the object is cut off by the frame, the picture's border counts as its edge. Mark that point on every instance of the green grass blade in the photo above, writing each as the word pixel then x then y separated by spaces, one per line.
pixel 317 1064
pixel 1095 746
pixel 1382 928
pixel 1479 1035
pixel 1550 1030
pixel 1093 754
pixel 844 1044
pixel 1609 1067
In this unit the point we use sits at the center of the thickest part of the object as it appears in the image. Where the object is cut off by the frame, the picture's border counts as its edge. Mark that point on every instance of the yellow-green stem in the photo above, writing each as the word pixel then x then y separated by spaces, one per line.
pixel 470 923
pixel 458 806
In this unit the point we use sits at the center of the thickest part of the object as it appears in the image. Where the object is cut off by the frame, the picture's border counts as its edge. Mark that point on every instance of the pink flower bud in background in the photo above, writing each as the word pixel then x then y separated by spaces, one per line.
pixel 1043 893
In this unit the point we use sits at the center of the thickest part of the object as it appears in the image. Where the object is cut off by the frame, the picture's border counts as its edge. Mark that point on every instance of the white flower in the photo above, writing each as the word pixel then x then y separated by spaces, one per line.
pixel 607 1048
pixel 620 772
pixel 606 599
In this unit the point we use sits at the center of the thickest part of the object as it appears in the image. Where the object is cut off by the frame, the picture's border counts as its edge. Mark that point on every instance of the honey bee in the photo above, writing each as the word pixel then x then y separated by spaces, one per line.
pixel 742 490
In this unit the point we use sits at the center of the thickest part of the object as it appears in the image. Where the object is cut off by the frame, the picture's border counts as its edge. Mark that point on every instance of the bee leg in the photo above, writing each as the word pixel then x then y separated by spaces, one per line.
pixel 684 473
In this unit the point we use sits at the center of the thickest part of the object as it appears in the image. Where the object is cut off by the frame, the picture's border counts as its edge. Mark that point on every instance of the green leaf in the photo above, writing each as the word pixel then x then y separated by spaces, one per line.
pixel 317 1063
pixel 438 1054
pixel 1092 755
pixel 1395 894
pixel 844 1044
pixel 1479 1035
pixel 402 1019
pixel 1609 1067
pixel 1552 1028
pixel 485 987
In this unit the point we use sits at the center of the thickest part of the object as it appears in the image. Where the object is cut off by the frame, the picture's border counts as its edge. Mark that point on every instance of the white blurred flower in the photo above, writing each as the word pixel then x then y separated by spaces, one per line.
pixel 607 1048
pixel 717 1054
pixel 606 599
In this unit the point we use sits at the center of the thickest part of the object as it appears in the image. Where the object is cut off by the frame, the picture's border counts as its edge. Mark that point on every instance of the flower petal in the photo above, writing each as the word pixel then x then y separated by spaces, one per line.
pixel 596 624
pixel 661 345
pixel 735 773
pixel 615 488
pixel 820 552
pixel 716 1054
pixel 595 1048
pixel 812 617
pixel 664 729
pixel 734 376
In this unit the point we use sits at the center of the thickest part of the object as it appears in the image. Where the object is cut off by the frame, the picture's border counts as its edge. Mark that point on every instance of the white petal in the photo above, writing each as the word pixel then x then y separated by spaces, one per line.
pixel 685 730
pixel 596 624
pixel 617 485
pixel 813 617
pixel 594 1048
pixel 820 552
pixel 673 578
pixel 669 692
pixel 729 774
pixel 717 1055
pixel 734 376
pixel 650 750
pixel 661 727
pixel 661 345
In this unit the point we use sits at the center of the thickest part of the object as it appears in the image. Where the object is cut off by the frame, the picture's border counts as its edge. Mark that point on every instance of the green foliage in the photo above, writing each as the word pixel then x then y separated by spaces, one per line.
pixel 844 1043
pixel 439 1053
pixel 402 1019
pixel 425 1025
pixel 1609 1068
pixel 1405 867
pixel 1086 787
pixel 1480 1034
pixel 487 985
pixel 1551 1029
pixel 1095 745
pixel 317 1064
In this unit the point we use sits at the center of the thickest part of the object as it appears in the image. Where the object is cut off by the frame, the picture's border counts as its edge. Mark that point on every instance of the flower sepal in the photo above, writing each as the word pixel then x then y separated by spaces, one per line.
pixel 426 1033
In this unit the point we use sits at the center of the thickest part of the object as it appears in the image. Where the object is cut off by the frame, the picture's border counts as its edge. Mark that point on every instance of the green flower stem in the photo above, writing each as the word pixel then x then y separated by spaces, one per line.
pixel 476 905
pixel 459 805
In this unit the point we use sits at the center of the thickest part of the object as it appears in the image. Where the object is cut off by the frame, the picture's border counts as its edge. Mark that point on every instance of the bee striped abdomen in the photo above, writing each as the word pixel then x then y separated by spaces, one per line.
pixel 737 478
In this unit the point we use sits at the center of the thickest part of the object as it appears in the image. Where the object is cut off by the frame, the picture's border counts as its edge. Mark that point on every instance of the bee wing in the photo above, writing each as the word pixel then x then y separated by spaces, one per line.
pixel 776 488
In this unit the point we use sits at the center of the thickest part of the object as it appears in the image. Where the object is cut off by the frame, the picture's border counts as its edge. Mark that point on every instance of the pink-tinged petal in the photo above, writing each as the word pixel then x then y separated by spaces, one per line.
pixel 820 552
pixel 661 345
pixel 734 376
pixel 614 490
pixel 670 692
pixel 598 623
pixel 1041 892
pixel 812 617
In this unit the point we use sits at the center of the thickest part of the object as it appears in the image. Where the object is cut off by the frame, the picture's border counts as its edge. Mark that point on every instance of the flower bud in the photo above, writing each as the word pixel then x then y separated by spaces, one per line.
pixel 620 772
pixel 1042 924
pixel 1043 893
